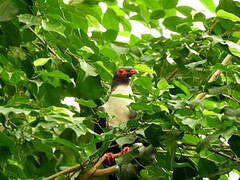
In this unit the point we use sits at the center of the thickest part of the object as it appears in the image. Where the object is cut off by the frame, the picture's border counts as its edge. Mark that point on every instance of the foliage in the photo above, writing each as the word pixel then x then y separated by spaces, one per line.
pixel 53 49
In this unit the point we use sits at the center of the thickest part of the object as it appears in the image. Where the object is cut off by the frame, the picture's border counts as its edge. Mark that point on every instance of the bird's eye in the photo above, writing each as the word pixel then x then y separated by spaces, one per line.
pixel 133 71
pixel 121 71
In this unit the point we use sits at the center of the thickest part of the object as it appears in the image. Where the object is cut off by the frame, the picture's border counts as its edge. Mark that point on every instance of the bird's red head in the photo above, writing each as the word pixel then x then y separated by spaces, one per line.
pixel 122 76
pixel 126 72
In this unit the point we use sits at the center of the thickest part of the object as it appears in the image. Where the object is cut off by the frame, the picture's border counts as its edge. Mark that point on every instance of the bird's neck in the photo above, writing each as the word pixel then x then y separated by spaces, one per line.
pixel 124 89
pixel 119 81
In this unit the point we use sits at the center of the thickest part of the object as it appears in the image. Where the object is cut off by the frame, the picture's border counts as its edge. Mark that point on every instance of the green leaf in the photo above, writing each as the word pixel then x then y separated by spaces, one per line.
pixel 169 4
pixel 8 10
pixel 141 106
pixel 144 82
pixel 236 34
pixel 110 35
pixel 206 168
pixel 126 24
pixel 103 70
pixel 199 17
pixel 144 68
pixel 129 139
pixel 110 20
pixel 195 64
pixel 6 141
pixel 219 90
pixel 41 61
pixel 15 163
pixel 182 87
pixel 66 143
pixel 157 14
pixel 153 134
pixel 85 88
pixel 55 74
pixel 209 4
pixel 190 139
pixel 185 10
pixel 234 143
pixel 29 19
pixel 227 15
pixel 87 68
pixel 87 103
pixel 177 24
pixel 109 52
pixel 79 21
pixel 53 26
pixel 163 84
pixel 235 51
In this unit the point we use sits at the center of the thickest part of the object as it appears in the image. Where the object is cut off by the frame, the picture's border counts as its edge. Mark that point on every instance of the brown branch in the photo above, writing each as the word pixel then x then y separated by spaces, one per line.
pixel 200 96
pixel 226 60
pixel 91 172
pixel 172 74
pixel 100 172
pixel 213 26
pixel 65 171
pixel 216 74
pixel 230 97
pixel 105 171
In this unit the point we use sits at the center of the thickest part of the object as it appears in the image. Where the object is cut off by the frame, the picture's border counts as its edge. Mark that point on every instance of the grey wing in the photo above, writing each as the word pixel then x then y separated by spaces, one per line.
pixel 132 114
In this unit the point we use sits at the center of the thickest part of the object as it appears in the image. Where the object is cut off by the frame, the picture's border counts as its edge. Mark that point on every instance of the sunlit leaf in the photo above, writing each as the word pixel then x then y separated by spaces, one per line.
pixel 53 26
pixel 88 69
pixel 41 61
pixel 29 19
pixel 111 20
pixel 88 103
pixel 163 85
pixel 157 14
pixel 144 68
pixel 56 74
pixel 226 15
pixel 209 4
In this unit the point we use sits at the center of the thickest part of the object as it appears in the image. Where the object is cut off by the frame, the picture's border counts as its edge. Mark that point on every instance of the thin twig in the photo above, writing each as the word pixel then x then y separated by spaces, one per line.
pixel 213 26
pixel 230 97
pixel 225 155
pixel 44 42
pixel 172 74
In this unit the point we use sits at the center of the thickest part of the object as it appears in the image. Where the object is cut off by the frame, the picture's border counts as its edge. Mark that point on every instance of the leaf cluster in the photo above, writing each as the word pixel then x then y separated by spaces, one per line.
pixel 54 49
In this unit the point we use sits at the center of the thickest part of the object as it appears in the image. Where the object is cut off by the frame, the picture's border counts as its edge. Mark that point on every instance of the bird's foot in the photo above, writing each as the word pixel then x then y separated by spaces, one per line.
pixel 125 150
pixel 109 158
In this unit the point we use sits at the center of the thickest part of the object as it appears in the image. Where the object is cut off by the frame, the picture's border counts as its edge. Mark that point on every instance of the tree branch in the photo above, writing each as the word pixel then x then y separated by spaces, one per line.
pixel 94 171
pixel 216 74
pixel 100 172
pixel 65 171
pixel 105 171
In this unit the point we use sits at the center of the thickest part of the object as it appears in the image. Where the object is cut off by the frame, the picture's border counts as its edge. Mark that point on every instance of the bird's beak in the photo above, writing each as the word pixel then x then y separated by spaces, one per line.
pixel 133 71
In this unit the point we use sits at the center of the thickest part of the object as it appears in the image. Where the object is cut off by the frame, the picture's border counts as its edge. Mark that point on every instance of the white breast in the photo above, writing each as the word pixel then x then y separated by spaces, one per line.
pixel 117 107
